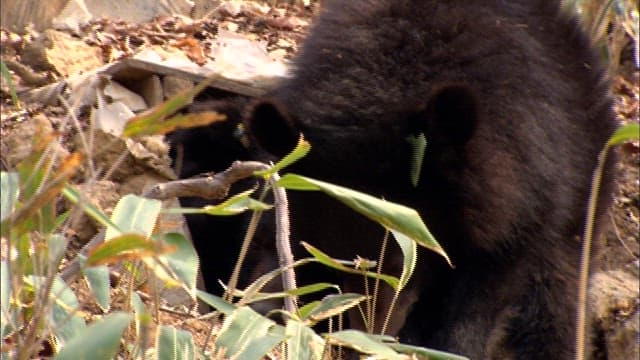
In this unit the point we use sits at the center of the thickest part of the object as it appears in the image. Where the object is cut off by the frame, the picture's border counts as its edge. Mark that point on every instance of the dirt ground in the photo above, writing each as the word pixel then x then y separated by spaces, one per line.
pixel 614 291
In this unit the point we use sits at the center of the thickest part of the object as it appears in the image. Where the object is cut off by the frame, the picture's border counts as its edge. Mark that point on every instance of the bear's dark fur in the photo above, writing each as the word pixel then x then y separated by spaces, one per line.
pixel 207 149
pixel 515 108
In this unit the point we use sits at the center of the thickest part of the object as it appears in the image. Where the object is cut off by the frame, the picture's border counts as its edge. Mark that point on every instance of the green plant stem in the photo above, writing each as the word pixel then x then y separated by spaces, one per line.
pixel 587 241
pixel 376 286
pixel 244 249
pixel 40 311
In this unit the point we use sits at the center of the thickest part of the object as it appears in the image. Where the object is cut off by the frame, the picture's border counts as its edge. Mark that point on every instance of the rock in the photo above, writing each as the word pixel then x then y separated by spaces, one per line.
pixel 17 14
pixel 173 85
pixel 102 194
pixel 150 88
pixel 78 12
pixel 20 142
pixel 614 295
pixel 70 56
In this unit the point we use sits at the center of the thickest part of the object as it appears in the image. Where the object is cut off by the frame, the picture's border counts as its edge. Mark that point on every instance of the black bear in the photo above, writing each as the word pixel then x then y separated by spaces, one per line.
pixel 514 106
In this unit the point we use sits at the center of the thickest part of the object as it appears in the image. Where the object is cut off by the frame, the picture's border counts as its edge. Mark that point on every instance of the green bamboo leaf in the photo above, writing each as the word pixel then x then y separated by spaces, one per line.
pixel 4 72
pixel 390 215
pixel 252 292
pixel 148 122
pixel 332 305
pixel 9 192
pixel 236 207
pixel 248 335
pixel 306 309
pixel 301 150
pixel 123 247
pixel 424 353
pixel 154 126
pixel 301 291
pixel 303 342
pixel 184 261
pixel 57 247
pixel 409 256
pixel 236 204
pixel 99 341
pixel 175 344
pixel 72 194
pixel 418 145
pixel 134 214
pixel 629 132
pixel 64 319
pixel 311 288
pixel 338 265
pixel 216 302
pixel 99 283
pixel 5 294
pixel 363 343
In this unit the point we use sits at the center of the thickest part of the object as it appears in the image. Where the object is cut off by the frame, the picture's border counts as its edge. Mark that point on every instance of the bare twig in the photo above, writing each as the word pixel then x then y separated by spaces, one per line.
pixel 28 75
pixel 210 187
pixel 283 243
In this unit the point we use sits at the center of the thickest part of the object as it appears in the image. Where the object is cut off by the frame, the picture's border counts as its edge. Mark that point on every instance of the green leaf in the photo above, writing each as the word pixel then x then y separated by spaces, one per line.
pixel 253 297
pixel 307 308
pixel 143 320
pixel 215 302
pixel 66 323
pixel 310 289
pixel 425 354
pixel 301 150
pixel 99 341
pixel 9 192
pixel 175 344
pixel 99 283
pixel 236 208
pixel 303 342
pixel 64 320
pixel 134 214
pixel 390 215
pixel 122 247
pixel 153 126
pixel 184 261
pixel 629 132
pixel 332 263
pixel 236 204
pixel 363 343
pixel 150 122
pixel 258 347
pixel 41 191
pixel 5 295
pixel 252 294
pixel 4 71
pixel 409 257
pixel 57 246
pixel 73 195
pixel 332 305
pixel 137 304
pixel 248 335
pixel 418 145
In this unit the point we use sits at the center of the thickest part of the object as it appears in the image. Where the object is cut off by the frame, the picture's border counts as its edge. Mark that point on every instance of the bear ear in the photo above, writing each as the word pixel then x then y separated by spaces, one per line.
pixel 450 115
pixel 271 129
